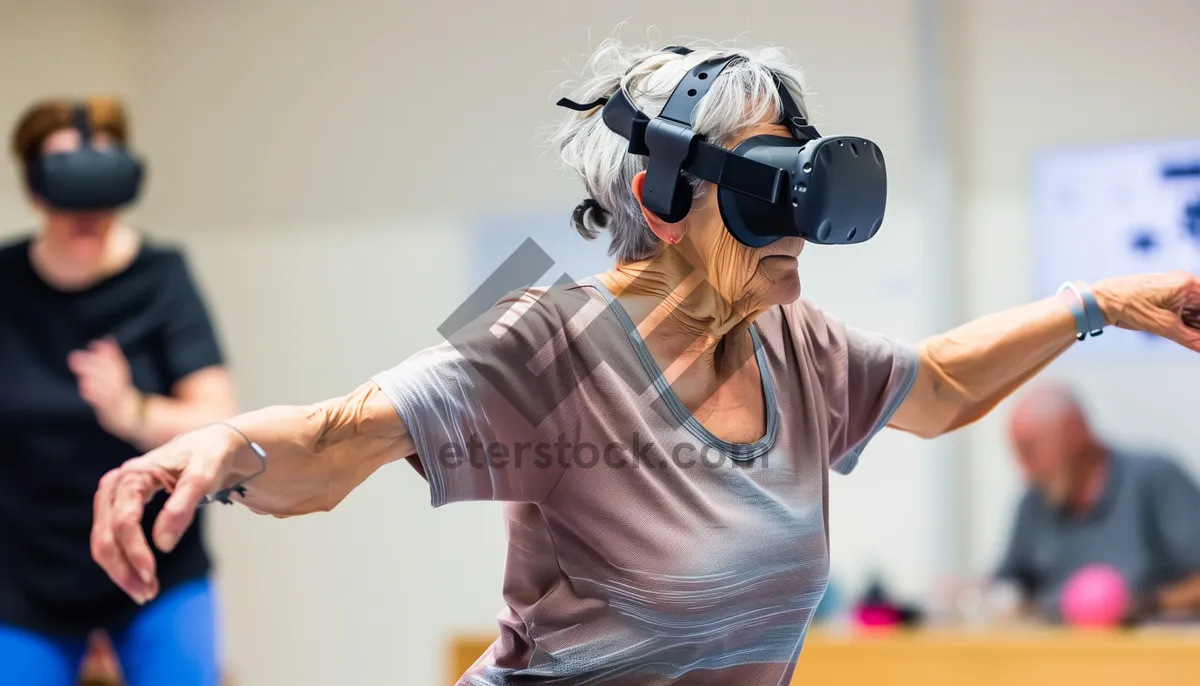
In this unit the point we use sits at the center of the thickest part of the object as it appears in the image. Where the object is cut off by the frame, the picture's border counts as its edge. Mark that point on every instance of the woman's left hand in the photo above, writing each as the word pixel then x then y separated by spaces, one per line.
pixel 1166 305
pixel 106 384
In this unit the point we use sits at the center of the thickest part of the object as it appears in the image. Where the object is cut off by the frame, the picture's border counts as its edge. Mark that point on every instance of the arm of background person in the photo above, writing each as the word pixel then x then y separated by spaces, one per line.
pixel 966 372
pixel 1016 567
pixel 202 389
pixel 1175 501
pixel 202 397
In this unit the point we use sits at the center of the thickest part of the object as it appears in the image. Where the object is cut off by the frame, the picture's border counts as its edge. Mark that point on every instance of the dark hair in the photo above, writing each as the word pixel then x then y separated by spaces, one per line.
pixel 589 218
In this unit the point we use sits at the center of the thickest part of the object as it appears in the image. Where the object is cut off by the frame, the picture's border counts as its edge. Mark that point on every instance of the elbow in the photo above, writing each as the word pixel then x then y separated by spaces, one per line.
pixel 966 414
pixel 221 405
pixel 937 403
pixel 206 396
pixel 931 432
pixel 936 424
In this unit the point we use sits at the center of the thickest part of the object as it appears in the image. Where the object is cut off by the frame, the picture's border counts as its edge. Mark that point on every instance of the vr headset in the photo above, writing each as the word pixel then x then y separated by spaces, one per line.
pixel 830 191
pixel 88 179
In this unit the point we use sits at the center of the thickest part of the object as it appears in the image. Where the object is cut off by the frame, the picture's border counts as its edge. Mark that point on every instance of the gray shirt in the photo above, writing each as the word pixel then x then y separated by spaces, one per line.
pixel 642 549
pixel 1146 524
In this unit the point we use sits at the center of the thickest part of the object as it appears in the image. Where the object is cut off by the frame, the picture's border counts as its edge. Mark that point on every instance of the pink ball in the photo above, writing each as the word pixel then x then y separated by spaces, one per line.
pixel 1095 596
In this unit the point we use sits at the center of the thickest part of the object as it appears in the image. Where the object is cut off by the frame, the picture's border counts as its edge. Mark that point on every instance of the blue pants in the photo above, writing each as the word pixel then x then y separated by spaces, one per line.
pixel 171 641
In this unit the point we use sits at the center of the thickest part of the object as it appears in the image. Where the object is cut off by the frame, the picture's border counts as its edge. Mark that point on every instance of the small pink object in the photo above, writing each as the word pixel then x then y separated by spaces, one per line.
pixel 877 616
pixel 1095 596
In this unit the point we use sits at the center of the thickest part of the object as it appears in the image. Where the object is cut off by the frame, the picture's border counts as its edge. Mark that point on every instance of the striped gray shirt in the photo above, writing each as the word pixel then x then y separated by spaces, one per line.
pixel 642 549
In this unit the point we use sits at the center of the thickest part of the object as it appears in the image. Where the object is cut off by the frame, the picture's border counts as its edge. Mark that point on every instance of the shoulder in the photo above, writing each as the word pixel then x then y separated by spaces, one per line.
pixel 804 330
pixel 164 266
pixel 167 258
pixel 554 303
pixel 499 356
pixel 800 320
pixel 529 326
pixel 1153 467
pixel 532 316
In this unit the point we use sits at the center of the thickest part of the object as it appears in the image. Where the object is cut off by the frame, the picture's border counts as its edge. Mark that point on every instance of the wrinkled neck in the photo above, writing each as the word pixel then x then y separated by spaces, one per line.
pixel 683 320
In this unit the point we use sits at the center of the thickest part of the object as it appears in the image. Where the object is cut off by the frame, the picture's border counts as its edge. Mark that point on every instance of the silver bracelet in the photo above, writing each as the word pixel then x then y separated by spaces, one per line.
pixel 1089 320
pixel 226 495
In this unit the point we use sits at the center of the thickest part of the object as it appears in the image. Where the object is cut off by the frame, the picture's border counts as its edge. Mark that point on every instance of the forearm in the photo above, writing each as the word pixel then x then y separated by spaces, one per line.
pixel 967 371
pixel 312 456
pixel 316 454
pixel 1181 597
pixel 163 418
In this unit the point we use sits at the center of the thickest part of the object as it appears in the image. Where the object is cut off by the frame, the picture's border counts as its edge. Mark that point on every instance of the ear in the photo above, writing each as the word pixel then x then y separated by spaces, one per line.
pixel 667 233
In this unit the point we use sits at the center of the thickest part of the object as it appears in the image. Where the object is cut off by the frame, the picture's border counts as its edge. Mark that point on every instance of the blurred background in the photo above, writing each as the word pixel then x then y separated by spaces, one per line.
pixel 328 165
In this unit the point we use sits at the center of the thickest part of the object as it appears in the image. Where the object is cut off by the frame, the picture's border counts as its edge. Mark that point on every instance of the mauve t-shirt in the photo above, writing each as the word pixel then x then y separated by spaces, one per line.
pixel 642 549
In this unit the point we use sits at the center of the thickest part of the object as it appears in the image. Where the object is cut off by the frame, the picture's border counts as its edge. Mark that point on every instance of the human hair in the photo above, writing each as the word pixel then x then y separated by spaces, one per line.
pixel 746 93
pixel 44 117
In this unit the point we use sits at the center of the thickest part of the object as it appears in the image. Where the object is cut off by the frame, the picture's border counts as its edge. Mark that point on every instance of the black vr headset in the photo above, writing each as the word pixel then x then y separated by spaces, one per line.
pixel 830 191
pixel 88 179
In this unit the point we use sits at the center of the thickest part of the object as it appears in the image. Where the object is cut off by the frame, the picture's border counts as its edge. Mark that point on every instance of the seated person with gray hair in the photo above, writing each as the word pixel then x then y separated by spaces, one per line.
pixel 1091 503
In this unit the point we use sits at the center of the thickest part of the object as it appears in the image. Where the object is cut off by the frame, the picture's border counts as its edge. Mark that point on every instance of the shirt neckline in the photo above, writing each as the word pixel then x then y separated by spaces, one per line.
pixel 26 249
pixel 736 451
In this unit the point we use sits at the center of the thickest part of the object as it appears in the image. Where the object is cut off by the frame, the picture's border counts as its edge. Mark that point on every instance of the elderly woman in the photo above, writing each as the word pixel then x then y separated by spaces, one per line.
pixel 661 434
pixel 106 351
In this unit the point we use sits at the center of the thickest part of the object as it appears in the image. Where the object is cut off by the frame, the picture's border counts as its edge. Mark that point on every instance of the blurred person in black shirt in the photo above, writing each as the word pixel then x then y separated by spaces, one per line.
pixel 106 351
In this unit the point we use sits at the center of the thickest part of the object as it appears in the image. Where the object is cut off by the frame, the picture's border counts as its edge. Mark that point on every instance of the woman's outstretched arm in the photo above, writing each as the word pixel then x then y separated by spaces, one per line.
pixel 315 455
pixel 966 372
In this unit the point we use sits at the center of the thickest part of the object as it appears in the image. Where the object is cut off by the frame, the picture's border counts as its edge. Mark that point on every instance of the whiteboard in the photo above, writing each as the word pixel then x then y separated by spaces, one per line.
pixel 1105 211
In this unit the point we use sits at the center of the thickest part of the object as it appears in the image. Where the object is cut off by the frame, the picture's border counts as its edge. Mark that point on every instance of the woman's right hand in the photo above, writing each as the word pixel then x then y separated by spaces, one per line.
pixel 190 467
pixel 318 455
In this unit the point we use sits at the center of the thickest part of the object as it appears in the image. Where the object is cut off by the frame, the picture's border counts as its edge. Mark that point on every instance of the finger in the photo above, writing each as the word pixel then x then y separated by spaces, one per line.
pixel 1191 317
pixel 133 490
pixel 107 347
pixel 90 386
pixel 180 509
pixel 89 392
pixel 1187 336
pixel 87 364
pixel 98 387
pixel 101 375
pixel 105 549
pixel 78 360
pixel 96 394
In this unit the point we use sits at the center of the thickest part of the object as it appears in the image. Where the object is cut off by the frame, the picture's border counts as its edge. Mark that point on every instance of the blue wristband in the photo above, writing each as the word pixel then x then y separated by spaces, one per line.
pixel 1089 320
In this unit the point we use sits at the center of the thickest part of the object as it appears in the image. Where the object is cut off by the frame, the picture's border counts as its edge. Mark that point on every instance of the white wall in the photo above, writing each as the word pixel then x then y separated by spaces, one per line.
pixel 323 161
pixel 1035 74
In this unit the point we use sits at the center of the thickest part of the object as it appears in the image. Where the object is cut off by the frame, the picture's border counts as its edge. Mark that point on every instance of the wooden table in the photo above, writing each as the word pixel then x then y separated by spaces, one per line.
pixel 943 658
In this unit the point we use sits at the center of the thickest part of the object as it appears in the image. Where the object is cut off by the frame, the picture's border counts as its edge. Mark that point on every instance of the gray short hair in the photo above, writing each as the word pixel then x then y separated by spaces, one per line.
pixel 743 95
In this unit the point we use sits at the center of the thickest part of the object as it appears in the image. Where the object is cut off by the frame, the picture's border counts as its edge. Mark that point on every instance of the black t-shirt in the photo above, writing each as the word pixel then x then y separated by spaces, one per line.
pixel 53 450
